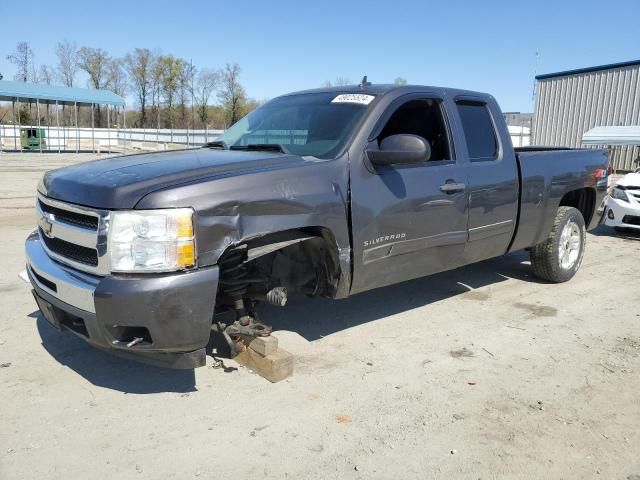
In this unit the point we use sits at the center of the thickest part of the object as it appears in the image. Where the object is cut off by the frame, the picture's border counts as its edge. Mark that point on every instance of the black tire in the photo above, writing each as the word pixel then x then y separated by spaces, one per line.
pixel 545 257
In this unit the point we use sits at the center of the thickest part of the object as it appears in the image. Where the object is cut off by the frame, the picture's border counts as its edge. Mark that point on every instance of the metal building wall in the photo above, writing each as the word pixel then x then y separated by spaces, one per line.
pixel 569 105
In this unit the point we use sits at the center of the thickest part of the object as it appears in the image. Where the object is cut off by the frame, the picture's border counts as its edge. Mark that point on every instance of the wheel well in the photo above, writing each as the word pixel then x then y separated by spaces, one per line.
pixel 584 199
pixel 304 260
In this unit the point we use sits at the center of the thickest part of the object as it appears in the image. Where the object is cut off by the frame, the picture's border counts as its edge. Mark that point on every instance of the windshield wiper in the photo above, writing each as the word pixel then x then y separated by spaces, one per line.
pixel 266 147
pixel 217 144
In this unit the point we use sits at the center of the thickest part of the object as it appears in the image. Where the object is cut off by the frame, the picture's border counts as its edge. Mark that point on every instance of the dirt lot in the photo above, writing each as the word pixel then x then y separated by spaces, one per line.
pixel 482 372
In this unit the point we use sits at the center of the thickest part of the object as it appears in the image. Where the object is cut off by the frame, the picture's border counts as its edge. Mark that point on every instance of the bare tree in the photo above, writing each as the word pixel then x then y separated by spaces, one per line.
pixel 208 81
pixel 22 58
pixel 68 61
pixel 338 82
pixel 34 76
pixel 139 65
pixel 117 76
pixel 46 74
pixel 232 94
pixel 186 87
pixel 342 82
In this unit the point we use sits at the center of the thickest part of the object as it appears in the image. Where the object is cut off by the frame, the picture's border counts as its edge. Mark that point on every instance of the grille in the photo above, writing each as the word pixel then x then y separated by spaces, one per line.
pixel 72 218
pixel 74 252
pixel 631 220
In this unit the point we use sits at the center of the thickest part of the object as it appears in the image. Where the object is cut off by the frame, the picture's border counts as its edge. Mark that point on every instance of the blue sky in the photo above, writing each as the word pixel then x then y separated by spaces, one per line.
pixel 284 46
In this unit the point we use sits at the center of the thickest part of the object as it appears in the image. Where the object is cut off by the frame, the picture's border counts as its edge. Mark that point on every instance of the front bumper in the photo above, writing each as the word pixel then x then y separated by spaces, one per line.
pixel 169 314
pixel 623 213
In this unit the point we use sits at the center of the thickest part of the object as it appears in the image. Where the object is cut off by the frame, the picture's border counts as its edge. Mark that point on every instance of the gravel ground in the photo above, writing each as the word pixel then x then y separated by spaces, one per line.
pixel 482 372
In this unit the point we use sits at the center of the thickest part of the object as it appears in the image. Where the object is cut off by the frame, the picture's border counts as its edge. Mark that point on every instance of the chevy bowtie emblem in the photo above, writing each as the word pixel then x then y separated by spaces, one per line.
pixel 46 226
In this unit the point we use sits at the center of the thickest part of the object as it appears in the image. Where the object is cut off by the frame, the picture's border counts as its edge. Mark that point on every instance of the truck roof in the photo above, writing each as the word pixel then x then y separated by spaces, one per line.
pixel 382 89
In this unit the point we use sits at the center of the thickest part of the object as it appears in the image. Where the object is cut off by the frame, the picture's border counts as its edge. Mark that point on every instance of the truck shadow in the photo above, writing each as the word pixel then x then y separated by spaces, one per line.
pixel 106 370
pixel 310 318
pixel 317 318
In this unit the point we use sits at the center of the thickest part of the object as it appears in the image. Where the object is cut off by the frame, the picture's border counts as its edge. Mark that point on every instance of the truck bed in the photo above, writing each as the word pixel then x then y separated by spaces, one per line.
pixel 546 173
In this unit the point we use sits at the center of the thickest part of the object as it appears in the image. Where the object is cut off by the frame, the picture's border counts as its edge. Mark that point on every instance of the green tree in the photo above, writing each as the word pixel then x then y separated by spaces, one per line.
pixel 171 71
pixel 139 66
pixel 96 63
pixel 156 88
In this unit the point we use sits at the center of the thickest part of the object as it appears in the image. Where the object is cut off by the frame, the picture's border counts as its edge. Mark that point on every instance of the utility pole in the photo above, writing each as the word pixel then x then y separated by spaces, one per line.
pixel 533 96
pixel 193 118
pixel 535 72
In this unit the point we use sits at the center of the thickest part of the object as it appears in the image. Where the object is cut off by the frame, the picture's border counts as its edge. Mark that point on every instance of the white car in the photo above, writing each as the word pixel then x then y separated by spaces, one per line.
pixel 623 203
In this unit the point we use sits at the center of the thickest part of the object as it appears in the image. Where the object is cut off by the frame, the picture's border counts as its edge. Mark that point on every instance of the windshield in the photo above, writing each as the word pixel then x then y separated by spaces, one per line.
pixel 315 124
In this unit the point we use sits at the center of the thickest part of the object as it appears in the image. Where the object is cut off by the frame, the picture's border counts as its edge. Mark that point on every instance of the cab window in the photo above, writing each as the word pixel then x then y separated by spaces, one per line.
pixel 422 117
pixel 479 133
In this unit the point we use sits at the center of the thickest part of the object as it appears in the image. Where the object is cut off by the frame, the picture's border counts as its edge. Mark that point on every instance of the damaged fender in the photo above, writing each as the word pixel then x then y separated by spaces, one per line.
pixel 233 210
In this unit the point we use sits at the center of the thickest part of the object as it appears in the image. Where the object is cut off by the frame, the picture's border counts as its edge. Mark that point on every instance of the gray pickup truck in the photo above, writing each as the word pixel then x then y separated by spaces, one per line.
pixel 326 192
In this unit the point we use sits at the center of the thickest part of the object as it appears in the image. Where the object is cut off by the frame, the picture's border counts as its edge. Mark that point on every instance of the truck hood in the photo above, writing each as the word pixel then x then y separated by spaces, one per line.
pixel 121 182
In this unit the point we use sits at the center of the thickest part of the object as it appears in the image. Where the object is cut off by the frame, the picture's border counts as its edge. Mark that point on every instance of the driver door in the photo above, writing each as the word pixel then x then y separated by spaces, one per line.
pixel 409 220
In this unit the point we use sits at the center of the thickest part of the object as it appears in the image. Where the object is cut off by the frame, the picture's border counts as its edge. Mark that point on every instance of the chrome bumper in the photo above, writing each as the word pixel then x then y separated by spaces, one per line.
pixel 172 312
pixel 69 286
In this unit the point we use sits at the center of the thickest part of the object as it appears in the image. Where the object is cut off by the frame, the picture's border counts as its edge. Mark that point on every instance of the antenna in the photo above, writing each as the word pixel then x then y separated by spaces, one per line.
pixel 364 83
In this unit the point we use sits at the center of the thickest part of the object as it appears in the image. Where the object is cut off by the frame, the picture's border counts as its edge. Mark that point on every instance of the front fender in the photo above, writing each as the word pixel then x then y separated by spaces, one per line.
pixel 234 210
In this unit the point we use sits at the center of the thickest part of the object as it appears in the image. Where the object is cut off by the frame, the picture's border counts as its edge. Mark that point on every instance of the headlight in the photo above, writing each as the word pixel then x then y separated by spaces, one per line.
pixel 619 194
pixel 151 240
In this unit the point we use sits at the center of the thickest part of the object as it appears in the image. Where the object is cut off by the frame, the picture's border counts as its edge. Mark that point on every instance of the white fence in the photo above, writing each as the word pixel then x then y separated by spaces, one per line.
pixel 106 139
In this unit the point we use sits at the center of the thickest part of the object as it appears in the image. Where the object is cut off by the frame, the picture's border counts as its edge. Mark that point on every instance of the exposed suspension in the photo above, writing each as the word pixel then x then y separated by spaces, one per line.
pixel 234 282
pixel 236 285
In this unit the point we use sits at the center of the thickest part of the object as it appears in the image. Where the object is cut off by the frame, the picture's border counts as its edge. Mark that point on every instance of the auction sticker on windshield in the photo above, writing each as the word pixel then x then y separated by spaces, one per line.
pixel 353 98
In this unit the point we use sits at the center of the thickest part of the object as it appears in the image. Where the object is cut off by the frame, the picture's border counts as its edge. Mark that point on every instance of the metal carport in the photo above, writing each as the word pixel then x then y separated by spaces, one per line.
pixel 22 92
pixel 615 136
pixel 629 135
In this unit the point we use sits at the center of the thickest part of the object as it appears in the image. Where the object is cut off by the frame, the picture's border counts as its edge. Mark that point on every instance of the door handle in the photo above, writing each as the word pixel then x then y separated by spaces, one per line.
pixel 450 186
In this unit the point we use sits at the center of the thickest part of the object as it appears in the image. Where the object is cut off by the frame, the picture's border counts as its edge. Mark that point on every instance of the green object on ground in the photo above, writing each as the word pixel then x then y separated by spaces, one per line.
pixel 32 138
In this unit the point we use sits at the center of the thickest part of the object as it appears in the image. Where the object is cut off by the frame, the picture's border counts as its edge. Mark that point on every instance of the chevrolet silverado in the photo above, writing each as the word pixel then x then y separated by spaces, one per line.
pixel 326 192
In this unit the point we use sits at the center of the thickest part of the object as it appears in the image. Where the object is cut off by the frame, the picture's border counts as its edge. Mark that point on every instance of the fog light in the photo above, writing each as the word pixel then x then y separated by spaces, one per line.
pixel 611 215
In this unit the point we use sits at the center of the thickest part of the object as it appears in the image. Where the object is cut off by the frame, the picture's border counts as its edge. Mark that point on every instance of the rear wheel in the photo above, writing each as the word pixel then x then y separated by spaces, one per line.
pixel 558 258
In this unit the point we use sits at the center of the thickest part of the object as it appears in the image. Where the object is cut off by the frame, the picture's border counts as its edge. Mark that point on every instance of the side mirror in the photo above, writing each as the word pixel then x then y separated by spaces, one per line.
pixel 401 149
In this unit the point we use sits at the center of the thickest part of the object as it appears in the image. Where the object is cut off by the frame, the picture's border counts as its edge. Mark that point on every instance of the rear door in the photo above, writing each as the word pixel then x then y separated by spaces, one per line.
pixel 409 220
pixel 492 177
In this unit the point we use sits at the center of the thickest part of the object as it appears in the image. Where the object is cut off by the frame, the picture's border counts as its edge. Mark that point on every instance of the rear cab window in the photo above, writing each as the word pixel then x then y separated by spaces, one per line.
pixel 479 132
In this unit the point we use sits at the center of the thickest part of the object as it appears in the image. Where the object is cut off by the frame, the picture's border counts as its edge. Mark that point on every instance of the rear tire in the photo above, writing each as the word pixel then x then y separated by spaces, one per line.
pixel 558 258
